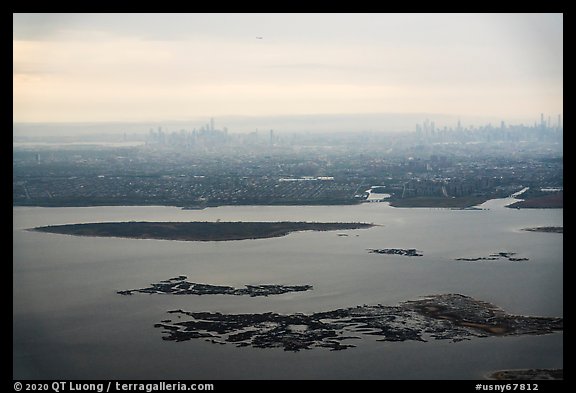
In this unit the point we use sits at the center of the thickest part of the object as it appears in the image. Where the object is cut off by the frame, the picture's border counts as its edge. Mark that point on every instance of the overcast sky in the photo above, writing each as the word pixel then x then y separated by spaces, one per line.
pixel 153 67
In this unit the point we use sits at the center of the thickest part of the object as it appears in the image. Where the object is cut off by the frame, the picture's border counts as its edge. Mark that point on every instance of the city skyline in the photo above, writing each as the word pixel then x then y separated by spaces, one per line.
pixel 317 124
pixel 163 67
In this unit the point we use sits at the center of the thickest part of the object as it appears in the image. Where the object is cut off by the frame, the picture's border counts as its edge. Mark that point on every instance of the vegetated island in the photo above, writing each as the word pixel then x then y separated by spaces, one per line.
pixel 196 231
pixel 531 374
pixel 545 229
pixel 440 317
pixel 180 286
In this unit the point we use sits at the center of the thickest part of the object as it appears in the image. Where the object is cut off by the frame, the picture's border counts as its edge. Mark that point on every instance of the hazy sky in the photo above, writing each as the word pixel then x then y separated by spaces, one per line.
pixel 152 67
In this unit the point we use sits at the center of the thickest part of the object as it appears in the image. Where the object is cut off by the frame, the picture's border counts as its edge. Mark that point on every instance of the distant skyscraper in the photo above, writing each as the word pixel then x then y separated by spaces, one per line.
pixel 211 124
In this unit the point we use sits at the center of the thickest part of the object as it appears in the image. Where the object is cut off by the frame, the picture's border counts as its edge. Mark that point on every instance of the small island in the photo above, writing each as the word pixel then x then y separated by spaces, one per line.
pixel 196 231
pixel 545 229
pixel 180 286
pixel 451 317
pixel 407 252
pixel 503 255
pixel 531 374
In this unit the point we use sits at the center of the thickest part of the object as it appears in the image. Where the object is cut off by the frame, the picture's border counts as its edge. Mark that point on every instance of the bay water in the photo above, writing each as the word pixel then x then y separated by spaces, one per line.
pixel 69 322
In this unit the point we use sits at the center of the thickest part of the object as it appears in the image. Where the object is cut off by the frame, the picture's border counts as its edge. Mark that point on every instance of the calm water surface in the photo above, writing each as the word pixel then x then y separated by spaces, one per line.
pixel 70 323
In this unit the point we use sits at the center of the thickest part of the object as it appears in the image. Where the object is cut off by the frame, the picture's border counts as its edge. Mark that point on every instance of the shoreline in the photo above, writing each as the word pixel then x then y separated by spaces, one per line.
pixel 464 203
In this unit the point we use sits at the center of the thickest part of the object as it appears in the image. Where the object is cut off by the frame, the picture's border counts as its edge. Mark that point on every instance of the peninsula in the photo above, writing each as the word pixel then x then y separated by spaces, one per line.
pixel 196 231
pixel 550 201
pixel 439 202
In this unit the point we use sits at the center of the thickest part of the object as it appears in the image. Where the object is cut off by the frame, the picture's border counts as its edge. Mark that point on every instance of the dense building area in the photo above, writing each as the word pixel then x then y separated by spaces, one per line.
pixel 211 168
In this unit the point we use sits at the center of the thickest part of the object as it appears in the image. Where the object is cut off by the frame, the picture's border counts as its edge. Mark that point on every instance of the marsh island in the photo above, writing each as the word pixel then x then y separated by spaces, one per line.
pixel 196 231
pixel 181 286
pixel 452 317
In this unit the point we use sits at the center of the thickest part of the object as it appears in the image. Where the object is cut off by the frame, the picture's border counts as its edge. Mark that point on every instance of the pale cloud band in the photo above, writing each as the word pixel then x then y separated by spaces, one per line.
pixel 137 68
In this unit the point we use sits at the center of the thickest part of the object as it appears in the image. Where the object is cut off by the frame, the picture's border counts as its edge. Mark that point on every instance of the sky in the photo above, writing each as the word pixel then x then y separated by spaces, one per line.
pixel 154 67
